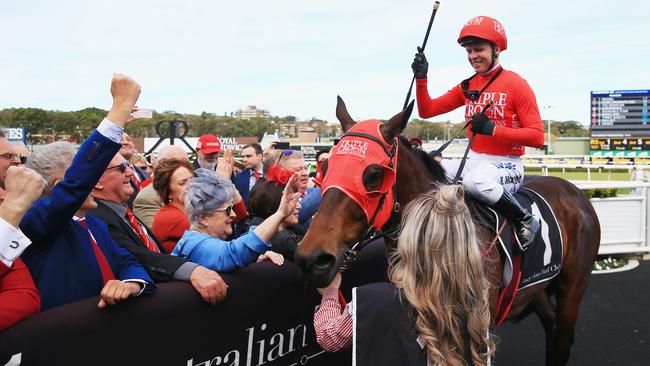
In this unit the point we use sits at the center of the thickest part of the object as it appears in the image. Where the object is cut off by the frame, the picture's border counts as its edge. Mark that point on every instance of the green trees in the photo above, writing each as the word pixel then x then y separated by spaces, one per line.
pixel 42 125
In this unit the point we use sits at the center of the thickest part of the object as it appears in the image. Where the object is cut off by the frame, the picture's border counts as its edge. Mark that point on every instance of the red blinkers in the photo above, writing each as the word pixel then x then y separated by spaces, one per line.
pixel 347 162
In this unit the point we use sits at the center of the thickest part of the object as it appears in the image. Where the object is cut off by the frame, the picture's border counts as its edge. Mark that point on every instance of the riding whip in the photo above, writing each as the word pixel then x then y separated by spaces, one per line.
pixel 421 49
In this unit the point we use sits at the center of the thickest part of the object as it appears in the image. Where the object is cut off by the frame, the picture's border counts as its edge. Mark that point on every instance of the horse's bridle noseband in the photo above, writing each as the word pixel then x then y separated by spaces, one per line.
pixel 370 233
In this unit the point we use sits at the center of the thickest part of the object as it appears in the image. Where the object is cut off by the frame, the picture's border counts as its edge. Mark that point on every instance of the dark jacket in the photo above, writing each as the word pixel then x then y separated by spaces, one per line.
pixel 160 266
pixel 284 241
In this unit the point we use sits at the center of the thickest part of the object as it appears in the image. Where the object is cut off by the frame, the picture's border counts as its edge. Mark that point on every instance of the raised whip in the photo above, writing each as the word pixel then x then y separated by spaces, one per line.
pixel 421 49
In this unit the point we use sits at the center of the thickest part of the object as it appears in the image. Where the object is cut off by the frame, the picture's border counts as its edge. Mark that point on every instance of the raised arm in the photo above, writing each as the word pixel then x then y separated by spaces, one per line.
pixel 87 166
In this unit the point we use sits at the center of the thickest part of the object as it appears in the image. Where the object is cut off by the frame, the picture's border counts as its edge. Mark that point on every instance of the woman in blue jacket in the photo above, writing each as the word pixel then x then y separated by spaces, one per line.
pixel 210 226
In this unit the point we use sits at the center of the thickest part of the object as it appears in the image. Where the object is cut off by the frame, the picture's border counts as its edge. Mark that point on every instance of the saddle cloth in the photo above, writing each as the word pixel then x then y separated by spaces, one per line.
pixel 543 259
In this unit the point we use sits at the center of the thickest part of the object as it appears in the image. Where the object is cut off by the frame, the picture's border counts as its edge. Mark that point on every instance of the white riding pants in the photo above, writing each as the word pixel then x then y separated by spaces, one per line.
pixel 486 176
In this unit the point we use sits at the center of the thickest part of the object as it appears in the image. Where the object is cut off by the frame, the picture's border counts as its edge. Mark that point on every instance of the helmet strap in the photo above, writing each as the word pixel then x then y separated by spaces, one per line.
pixel 494 55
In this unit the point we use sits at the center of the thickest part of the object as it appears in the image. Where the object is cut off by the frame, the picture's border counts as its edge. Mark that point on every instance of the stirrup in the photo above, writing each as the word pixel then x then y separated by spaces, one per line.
pixel 530 233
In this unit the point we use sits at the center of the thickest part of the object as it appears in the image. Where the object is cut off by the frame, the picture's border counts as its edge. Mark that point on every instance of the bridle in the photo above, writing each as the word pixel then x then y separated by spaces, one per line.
pixel 370 233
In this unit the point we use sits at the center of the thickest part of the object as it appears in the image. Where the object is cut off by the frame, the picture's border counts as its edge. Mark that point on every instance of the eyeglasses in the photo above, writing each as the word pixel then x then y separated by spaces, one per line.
pixel 122 167
pixel 11 156
pixel 227 209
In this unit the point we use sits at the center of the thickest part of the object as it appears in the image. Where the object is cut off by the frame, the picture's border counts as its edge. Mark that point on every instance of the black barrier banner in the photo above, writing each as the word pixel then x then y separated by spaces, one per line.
pixel 266 319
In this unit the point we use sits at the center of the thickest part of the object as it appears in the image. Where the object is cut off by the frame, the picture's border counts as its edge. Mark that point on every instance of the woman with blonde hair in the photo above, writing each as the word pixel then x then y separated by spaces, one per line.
pixel 435 310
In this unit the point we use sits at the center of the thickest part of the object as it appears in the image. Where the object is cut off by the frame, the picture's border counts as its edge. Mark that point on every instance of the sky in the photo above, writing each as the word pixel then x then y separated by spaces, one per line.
pixel 294 57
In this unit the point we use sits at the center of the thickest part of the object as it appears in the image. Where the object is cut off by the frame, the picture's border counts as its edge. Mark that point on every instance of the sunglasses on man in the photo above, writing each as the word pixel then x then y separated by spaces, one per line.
pixel 122 167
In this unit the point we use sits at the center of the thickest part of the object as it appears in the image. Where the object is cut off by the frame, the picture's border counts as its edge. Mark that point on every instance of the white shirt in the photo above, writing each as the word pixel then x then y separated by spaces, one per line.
pixel 12 243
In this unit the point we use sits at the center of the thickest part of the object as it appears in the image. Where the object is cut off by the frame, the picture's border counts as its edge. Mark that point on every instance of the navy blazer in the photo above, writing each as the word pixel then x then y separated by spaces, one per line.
pixel 60 257
pixel 242 180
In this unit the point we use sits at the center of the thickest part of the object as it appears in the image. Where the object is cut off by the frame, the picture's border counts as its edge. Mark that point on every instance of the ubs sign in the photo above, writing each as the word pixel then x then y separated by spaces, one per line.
pixel 15 134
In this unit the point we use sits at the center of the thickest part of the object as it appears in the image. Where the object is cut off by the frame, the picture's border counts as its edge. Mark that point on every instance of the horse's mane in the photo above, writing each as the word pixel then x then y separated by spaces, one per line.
pixel 435 169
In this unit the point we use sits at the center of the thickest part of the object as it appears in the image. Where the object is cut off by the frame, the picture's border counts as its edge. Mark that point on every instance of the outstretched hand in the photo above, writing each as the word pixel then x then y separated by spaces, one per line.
pixel 289 197
pixel 226 165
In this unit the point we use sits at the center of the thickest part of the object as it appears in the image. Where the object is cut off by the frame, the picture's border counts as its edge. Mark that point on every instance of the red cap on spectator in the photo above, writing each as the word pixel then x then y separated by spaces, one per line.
pixel 415 140
pixel 209 144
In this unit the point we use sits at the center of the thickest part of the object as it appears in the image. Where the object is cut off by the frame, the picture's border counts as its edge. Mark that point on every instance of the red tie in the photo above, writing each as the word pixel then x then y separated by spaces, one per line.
pixel 138 229
pixel 107 272
pixel 256 175
pixel 135 182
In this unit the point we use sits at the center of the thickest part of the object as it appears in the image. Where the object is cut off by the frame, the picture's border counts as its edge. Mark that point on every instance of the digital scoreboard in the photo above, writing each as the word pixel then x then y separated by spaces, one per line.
pixel 620 113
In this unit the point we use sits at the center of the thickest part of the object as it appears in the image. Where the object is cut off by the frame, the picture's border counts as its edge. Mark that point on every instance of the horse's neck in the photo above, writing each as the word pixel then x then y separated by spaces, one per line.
pixel 417 173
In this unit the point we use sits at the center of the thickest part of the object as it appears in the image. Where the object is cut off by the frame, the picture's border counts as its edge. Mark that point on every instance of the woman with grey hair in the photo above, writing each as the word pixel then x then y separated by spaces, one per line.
pixel 211 198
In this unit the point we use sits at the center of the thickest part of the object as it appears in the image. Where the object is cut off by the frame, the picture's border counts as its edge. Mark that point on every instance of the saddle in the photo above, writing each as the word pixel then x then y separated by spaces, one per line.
pixel 543 259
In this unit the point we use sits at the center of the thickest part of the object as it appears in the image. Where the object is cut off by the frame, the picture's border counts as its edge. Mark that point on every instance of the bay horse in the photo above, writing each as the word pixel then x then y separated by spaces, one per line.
pixel 342 222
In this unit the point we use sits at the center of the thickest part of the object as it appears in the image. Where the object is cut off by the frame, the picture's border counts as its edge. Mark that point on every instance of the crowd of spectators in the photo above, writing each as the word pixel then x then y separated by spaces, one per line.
pixel 103 221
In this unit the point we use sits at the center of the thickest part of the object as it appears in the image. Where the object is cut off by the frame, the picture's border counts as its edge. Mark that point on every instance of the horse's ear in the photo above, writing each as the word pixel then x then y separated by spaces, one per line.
pixel 343 115
pixel 397 123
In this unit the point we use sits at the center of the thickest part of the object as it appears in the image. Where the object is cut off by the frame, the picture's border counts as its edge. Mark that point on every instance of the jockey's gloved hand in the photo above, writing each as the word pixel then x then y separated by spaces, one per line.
pixel 420 65
pixel 482 125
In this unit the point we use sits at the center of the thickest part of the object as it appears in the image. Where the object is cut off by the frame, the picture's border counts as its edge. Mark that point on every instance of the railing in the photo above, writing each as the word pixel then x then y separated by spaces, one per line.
pixel 589 168
pixel 623 219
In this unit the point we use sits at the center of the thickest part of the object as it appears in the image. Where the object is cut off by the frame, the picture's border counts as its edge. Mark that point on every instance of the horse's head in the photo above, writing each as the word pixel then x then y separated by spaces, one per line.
pixel 358 194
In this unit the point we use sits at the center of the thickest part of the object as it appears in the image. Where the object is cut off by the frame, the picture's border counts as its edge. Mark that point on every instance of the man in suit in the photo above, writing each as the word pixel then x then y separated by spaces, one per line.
pixel 206 152
pixel 112 192
pixel 246 180
pixel 127 151
pixel 18 294
pixel 72 256
pixel 147 203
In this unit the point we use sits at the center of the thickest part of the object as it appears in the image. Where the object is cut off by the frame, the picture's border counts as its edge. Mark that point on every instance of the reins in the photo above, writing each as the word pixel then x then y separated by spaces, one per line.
pixel 469 145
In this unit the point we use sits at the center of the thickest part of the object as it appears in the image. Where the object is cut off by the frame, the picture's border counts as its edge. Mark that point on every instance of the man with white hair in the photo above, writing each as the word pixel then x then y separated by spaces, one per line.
pixel 112 192
pixel 139 175
pixel 147 203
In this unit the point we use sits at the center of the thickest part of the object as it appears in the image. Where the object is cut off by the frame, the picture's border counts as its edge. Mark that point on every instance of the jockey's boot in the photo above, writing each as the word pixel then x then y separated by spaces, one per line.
pixel 527 227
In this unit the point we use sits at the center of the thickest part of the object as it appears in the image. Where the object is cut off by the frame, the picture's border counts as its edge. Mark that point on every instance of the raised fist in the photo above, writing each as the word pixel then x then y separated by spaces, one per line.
pixel 23 187
pixel 420 65
pixel 125 92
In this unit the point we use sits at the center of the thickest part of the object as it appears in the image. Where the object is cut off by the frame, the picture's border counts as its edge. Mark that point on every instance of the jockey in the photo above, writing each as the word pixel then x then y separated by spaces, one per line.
pixel 493 171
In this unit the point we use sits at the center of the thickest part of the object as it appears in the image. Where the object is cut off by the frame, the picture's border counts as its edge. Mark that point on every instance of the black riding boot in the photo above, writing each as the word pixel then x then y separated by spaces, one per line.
pixel 526 225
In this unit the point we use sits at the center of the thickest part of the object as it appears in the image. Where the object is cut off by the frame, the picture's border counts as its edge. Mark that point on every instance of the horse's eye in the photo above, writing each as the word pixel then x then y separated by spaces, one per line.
pixel 373 177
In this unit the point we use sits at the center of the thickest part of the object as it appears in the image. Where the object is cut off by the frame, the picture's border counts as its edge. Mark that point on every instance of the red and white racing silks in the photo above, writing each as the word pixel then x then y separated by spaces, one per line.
pixel 515 112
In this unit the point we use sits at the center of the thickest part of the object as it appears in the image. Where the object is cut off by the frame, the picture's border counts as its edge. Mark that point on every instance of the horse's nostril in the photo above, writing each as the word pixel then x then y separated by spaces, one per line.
pixel 323 264
pixel 316 265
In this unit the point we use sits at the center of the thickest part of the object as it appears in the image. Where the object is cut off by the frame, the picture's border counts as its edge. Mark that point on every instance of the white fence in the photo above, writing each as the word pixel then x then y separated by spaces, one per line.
pixel 623 219
pixel 589 168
